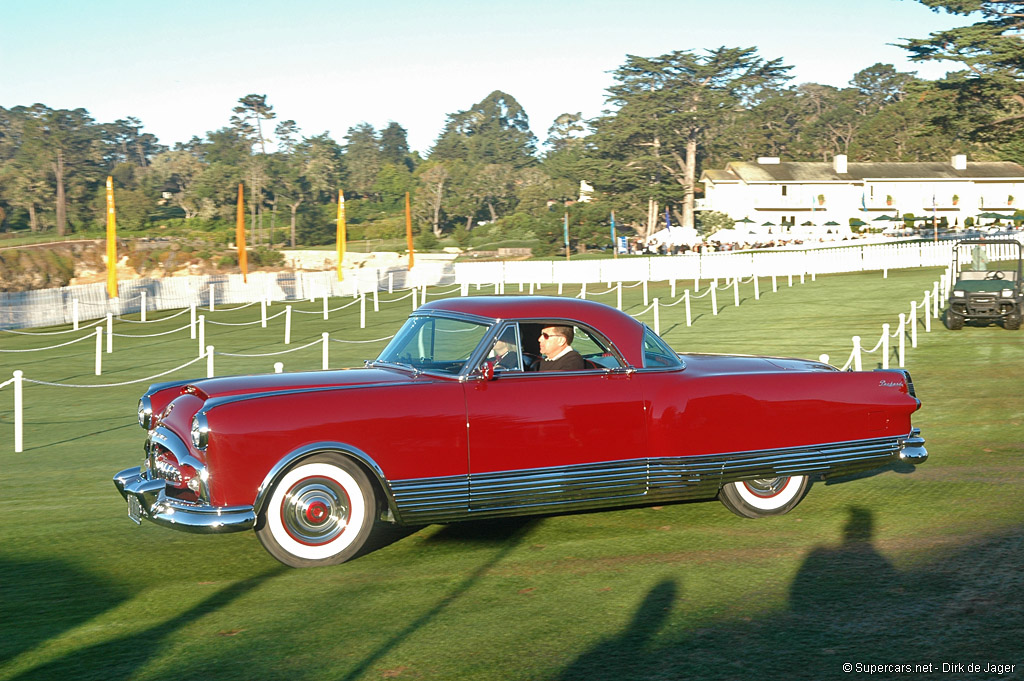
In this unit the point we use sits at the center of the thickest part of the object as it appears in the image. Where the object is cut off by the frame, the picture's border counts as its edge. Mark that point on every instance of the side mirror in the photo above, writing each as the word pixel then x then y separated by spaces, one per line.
pixel 488 371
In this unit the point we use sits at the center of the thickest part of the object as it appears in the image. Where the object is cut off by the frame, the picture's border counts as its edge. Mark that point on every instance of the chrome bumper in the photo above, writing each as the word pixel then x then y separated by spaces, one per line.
pixel 154 505
pixel 912 449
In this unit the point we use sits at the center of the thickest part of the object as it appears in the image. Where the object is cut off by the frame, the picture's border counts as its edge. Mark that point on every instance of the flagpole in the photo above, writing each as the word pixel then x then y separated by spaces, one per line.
pixel 341 237
pixel 111 241
pixel 615 245
pixel 243 263
pixel 408 229
pixel 565 229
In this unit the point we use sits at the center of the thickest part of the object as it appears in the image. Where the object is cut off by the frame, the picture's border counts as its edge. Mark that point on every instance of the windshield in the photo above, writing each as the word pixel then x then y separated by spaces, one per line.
pixel 436 344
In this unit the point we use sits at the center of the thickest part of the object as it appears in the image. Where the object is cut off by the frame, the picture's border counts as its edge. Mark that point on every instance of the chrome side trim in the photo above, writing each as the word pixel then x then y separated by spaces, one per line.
pixel 158 508
pixel 304 452
pixel 634 481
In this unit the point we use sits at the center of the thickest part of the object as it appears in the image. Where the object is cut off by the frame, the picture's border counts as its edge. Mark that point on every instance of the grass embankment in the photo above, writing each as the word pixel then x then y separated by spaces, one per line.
pixel 891 568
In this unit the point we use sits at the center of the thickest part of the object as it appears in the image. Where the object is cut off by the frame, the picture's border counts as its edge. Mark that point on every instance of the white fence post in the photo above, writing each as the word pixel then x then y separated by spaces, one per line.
pixel 19 405
pixel 857 365
pixel 790 275
pixel 583 291
pixel 775 284
pixel 935 300
pixel 618 296
pixel 99 350
pixel 423 300
pixel 657 318
pixel 686 303
pixel 391 282
pixel 464 290
pixel 209 361
pixel 696 284
pixel 192 320
pixel 263 313
pixel 414 299
pixel 212 294
pixel 202 334
pixel 672 287
pixel 287 324
pixel 736 291
pixel 143 318
pixel 362 310
pixel 927 309
pixel 757 289
pixel 110 333
pixel 376 302
pixel 325 307
pixel 646 301
pixel 901 347
pixel 278 367
pixel 913 324
pixel 714 298
pixel 74 314
pixel 885 346
pixel 326 338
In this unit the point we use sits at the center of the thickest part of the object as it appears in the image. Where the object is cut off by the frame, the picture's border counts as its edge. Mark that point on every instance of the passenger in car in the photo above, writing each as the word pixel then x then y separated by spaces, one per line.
pixel 505 356
pixel 556 346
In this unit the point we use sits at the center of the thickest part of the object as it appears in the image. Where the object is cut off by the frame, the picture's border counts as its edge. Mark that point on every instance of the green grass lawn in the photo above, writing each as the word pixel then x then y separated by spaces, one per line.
pixel 919 567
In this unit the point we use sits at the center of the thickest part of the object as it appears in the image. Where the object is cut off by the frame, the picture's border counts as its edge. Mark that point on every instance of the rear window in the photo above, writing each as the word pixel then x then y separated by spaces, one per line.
pixel 657 353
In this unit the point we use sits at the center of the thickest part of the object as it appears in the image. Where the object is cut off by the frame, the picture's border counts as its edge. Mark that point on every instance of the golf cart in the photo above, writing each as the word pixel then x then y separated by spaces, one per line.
pixel 983 294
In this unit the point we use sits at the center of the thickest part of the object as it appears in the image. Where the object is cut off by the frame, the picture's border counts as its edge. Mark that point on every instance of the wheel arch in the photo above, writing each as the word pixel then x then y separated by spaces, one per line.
pixel 362 459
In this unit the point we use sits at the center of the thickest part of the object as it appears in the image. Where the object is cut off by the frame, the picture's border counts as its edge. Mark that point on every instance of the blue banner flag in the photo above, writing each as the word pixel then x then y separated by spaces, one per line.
pixel 566 230
pixel 613 228
pixel 668 221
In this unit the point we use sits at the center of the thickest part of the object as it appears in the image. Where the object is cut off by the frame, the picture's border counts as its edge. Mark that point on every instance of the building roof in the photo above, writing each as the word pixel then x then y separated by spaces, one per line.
pixel 797 171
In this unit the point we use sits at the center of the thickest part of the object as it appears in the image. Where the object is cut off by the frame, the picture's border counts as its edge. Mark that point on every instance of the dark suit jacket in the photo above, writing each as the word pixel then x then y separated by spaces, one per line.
pixel 570 361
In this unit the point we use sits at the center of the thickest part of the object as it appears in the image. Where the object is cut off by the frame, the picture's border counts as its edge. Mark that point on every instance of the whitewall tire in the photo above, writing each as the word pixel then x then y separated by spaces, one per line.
pixel 320 512
pixel 764 496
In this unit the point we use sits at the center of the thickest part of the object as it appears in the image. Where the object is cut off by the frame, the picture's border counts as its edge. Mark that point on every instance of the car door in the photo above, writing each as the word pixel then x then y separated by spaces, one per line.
pixel 556 439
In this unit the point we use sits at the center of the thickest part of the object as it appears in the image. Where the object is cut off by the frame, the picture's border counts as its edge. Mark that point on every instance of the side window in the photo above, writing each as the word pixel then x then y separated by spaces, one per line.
pixel 657 353
pixel 593 349
pixel 506 353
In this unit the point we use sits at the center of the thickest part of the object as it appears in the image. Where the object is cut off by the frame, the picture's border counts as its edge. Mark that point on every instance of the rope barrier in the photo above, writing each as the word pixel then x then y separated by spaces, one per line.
pixel 645 310
pixel 53 333
pixel 395 300
pixel 6 383
pixel 53 347
pixel 232 309
pixel 151 321
pixel 258 321
pixel 114 385
pixel 320 312
pixel 270 354
pixel 444 293
pixel 151 335
pixel 375 340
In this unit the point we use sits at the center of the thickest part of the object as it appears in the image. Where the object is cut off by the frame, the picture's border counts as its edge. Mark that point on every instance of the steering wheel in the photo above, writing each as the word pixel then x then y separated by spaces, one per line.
pixel 995 275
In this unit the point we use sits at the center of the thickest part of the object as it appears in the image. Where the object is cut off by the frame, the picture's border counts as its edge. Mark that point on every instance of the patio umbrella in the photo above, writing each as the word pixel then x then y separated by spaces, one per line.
pixel 768 224
pixel 883 217
pixel 746 220
pixel 831 223
pixel 857 222
pixel 989 215
pixel 807 224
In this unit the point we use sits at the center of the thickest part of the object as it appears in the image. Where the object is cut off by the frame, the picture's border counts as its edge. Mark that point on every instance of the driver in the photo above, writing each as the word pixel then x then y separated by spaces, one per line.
pixel 556 346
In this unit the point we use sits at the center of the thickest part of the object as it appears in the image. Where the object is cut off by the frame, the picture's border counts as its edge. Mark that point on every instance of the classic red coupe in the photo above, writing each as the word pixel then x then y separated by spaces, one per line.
pixel 437 429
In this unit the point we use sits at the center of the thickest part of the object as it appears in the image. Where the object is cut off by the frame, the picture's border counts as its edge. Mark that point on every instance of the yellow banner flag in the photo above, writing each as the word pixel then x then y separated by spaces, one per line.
pixel 408 228
pixel 240 235
pixel 111 241
pixel 342 236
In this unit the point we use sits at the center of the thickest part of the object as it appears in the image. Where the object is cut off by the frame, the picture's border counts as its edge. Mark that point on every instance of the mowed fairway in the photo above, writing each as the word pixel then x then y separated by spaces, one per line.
pixel 919 567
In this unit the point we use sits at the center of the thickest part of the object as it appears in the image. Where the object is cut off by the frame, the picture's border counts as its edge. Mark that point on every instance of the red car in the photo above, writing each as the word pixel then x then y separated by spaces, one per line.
pixel 436 430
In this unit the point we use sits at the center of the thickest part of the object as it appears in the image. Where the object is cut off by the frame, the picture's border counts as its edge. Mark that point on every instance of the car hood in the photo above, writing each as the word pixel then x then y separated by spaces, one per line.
pixel 232 386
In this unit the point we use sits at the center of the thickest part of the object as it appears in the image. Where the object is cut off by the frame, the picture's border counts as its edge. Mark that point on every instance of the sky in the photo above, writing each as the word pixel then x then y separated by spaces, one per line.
pixel 180 67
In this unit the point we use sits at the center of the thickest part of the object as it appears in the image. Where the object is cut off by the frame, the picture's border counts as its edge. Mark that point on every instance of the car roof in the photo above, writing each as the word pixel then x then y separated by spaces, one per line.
pixel 620 328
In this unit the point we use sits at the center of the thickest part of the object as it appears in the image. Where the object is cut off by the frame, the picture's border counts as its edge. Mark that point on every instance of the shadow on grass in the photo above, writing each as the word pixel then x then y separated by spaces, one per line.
pixel 506 533
pixel 847 604
pixel 102 431
pixel 30 613
pixel 121 658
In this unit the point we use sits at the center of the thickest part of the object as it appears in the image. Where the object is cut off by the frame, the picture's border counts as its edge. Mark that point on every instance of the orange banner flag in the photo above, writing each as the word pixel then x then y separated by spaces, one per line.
pixel 408 229
pixel 243 263
pixel 342 236
pixel 111 241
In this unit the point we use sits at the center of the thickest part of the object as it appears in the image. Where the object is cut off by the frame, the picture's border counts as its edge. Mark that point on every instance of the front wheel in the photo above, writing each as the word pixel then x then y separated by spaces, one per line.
pixel 764 496
pixel 320 512
pixel 954 321
pixel 1012 321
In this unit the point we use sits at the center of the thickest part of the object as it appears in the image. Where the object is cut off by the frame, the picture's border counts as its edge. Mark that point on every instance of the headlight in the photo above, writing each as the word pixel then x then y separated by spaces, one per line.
pixel 145 413
pixel 1007 293
pixel 200 431
pixel 958 294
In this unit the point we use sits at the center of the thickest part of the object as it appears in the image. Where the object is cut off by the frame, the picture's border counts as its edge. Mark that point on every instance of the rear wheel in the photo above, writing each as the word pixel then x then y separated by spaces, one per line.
pixel 954 321
pixel 320 512
pixel 1012 321
pixel 764 496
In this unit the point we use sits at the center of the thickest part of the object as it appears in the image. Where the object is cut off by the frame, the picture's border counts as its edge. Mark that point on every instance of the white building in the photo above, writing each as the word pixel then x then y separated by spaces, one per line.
pixel 790 194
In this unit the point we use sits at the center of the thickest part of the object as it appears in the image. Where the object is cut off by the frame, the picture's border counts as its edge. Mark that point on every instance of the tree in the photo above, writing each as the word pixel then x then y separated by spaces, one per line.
pixel 394 145
pixel 666 107
pixel 430 197
pixel 986 98
pixel 253 109
pixel 494 130
pixel 362 159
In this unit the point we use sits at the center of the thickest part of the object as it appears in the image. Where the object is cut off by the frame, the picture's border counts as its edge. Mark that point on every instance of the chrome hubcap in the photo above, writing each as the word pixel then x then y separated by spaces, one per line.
pixel 315 511
pixel 766 487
